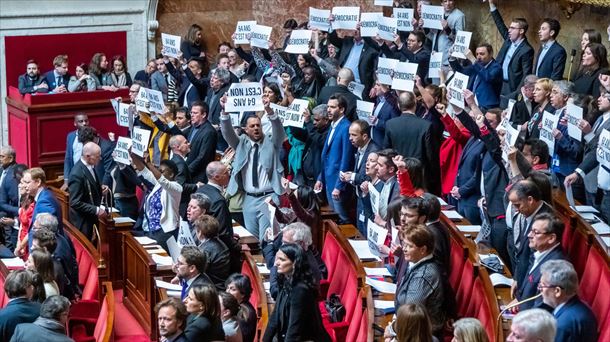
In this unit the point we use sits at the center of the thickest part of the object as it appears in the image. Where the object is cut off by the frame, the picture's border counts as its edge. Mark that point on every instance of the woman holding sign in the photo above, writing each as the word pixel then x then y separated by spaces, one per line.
pixel 542 96
pixel 191 44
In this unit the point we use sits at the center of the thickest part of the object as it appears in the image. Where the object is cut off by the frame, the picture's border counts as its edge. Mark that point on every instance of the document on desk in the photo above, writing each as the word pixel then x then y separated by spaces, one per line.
pixel 381 286
pixel 144 240
pixel 381 271
pixel 453 215
pixel 262 269
pixel 361 247
pixel 162 260
pixel 498 279
pixel 386 305
pixel 120 220
pixel 585 209
pixel 241 231
pixel 469 228
pixel 601 228
pixel 13 263
pixel 165 285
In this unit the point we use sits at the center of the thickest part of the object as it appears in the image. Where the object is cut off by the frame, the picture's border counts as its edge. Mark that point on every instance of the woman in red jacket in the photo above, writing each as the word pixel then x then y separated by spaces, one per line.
pixel 451 149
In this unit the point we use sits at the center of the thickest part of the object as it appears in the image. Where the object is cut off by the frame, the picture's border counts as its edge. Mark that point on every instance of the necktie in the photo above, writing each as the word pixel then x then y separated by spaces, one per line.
pixel 255 167
pixel 185 287
pixel 58 81
pixel 2 177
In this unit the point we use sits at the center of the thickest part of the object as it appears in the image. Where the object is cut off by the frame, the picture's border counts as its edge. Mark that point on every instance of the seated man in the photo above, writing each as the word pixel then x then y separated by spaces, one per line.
pixel 533 325
pixel 50 326
pixel 217 253
pixel 171 318
pixel 190 269
pixel 20 309
pixel 31 82
pixel 58 78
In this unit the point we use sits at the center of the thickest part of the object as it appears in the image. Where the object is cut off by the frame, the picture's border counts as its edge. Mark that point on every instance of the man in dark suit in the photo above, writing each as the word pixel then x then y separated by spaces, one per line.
pixel 31 82
pixel 180 149
pixel 413 51
pixel 559 286
pixel 216 252
pixel 45 202
pixel 106 164
pixel 74 147
pixel 516 56
pixel 190 269
pixel 172 315
pixel 344 77
pixel 193 86
pixel 442 246
pixel 202 140
pixel 220 81
pixel 9 197
pixel 522 110
pixel 20 309
pixel 313 134
pixel 413 137
pixel 58 78
pixel 181 125
pixel 86 191
pixel 551 58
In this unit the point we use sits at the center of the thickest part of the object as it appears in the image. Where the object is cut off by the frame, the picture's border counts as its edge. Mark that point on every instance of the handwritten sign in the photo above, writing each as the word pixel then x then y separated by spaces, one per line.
pixel 122 115
pixel 260 35
pixel 549 122
pixel 152 97
pixel 139 139
pixel 356 88
pixel 364 110
pixel 404 17
pixel 318 18
pixel 293 118
pixel 574 115
pixel 404 76
pixel 462 43
pixel 385 69
pixel 510 138
pixel 345 18
pixel 171 44
pixel 386 28
pixel 299 105
pixel 242 30
pixel 603 148
pixel 456 86
pixel 387 3
pixel 121 151
pixel 432 16
pixel 368 23
pixel 244 97
pixel 298 42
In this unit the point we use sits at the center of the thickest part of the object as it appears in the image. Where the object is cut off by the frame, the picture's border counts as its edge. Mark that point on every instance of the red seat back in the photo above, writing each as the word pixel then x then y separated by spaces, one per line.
pixel 578 251
pixel 457 261
pixel 345 284
pixel 330 253
pixel 354 327
pixel 103 321
pixel 254 297
pixel 594 287
pixel 464 290
pixel 88 275
pixel 480 308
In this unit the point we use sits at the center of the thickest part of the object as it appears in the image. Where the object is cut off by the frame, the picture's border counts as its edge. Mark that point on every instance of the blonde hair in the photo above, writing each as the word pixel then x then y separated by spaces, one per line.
pixel 469 330
pixel 546 84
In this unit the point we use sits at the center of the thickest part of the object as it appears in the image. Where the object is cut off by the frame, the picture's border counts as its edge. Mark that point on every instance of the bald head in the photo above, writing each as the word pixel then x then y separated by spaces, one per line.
pixel 407 102
pixel 217 173
pixel 92 153
pixel 345 76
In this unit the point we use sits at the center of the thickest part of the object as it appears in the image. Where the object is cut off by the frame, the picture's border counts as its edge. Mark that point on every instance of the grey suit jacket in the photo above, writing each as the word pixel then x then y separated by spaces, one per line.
pixel 158 82
pixel 589 164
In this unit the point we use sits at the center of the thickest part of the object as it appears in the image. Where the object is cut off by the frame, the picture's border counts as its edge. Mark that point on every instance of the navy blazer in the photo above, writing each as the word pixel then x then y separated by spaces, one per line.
pixel 387 112
pixel 553 64
pixel 19 310
pixel 68 160
pixel 360 170
pixel 9 193
pixel 489 84
pixel 337 156
pixel 529 286
pixel 47 203
pixel 568 151
pixel 203 151
pixel 575 322
pixel 368 59
pixel 49 77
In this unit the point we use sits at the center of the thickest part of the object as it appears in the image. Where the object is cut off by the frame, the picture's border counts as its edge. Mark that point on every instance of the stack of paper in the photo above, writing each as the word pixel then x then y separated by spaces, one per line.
pixel 165 285
pixel 381 286
pixel 120 220
pixel 162 260
pixel 453 215
pixel 469 228
pixel 241 231
pixel 382 271
pixel 262 269
pixel 361 247
pixel 386 306
pixel 498 279
pixel 14 263
pixel 601 228
pixel 144 240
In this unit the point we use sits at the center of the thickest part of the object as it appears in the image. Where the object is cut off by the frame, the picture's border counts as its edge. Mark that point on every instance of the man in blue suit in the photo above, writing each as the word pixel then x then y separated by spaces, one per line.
pixel 337 156
pixel 74 148
pixel 559 285
pixel 551 58
pixel 58 78
pixel 45 202
pixel 9 197
pixel 20 309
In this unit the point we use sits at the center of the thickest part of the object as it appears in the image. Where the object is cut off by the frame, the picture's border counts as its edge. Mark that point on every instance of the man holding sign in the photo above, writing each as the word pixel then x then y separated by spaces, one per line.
pixel 453 20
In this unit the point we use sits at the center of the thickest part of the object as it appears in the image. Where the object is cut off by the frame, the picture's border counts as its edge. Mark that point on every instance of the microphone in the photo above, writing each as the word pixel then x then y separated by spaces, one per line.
pixel 508 307
pixel 572 55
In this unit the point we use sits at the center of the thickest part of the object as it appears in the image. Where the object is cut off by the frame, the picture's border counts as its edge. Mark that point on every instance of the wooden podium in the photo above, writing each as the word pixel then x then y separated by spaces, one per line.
pixel 38 124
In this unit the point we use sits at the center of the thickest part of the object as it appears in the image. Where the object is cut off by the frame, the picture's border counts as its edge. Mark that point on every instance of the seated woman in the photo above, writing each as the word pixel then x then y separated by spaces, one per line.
pixel 41 262
pixel 422 283
pixel 203 323
pixel 82 81
pixel 215 250
pixel 469 330
pixel 119 77
pixel 411 324
pixel 296 316
pixel 229 308
pixel 239 286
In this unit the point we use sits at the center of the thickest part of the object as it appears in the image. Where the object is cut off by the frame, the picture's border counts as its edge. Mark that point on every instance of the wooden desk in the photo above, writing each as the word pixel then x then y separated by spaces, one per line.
pixel 111 247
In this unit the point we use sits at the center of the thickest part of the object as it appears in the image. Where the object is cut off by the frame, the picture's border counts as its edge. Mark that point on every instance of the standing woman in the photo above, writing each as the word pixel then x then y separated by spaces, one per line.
pixel 542 96
pixel 26 210
pixel 386 108
pixel 296 316
pixel 594 62
pixel 119 77
pixel 82 81
pixel 204 323
pixel 588 36
pixel 191 44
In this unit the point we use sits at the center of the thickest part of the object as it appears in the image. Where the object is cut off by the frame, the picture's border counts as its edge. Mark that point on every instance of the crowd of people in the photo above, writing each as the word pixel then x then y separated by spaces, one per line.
pixel 389 169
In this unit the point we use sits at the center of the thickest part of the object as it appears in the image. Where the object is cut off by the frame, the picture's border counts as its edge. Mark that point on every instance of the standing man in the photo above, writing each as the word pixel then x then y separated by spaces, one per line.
pixel 31 82
pixel 344 77
pixel 442 40
pixel 202 139
pixel 386 172
pixel 9 197
pixel 337 157
pixel 220 81
pixel 313 134
pixel 180 149
pixel 551 58
pixel 171 319
pixel 163 81
pixel 218 178
pixel 58 78
pixel 34 180
pixel 74 148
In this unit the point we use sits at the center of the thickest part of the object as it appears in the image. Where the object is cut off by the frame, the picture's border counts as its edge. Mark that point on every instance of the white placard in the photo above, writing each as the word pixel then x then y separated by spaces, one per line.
pixel 386 28
pixel 356 88
pixel 244 97
pixel 153 97
pixel 278 110
pixel 260 36
pixel 376 235
pixel 139 140
pixel 121 151
pixel 461 44
pixel 603 148
pixel 318 18
pixel 456 86
pixel 385 69
pixel 185 237
pixel 510 138
pixel 299 105
pixel 404 76
pixel 387 3
pixel 122 115
pixel 509 109
pixel 432 16
pixel 574 115
pixel 549 122
pixel 404 17
pixel 294 119
pixel 374 198
pixel 434 68
pixel 298 42
pixel 368 23
pixel 171 44
pixel 381 286
pixel 361 247
pixel 345 18
pixel 364 109
pixel 242 30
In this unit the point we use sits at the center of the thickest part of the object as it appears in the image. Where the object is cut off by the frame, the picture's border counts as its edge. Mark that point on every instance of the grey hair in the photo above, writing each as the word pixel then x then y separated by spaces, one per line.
pixel 566 88
pixel 561 273
pixel 537 324
pixel 48 221
pixel 530 80
pixel 302 233
pixel 54 306
pixel 8 149
pixel 203 201
pixel 320 109
pixel 173 141
pixel 223 75
pixel 214 168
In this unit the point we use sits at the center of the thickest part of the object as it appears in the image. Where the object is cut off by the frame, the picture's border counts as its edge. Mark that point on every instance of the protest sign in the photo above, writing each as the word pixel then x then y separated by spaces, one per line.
pixel 436 60
pixel 345 18
pixel 293 118
pixel 298 42
pixel 456 86
pixel 404 17
pixel 318 18
pixel 364 109
pixel 368 23
pixel 299 105
pixel 139 139
pixel 171 45
pixel 385 69
pixel 387 3
pixel 603 149
pixel 122 115
pixel 509 109
pixel 260 36
pixel 549 122
pixel 404 76
pixel 356 89
pixel 153 97
pixel 376 235
pixel 462 43
pixel 278 110
pixel 574 115
pixel 242 30
pixel 121 151
pixel 374 197
pixel 386 28
pixel 236 118
pixel 245 97
pixel 510 138
pixel 432 16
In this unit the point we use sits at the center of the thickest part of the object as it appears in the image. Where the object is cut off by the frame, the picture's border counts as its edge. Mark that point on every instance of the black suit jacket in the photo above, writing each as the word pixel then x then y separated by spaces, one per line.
pixel 9 193
pixel 420 57
pixel 19 310
pixel 85 198
pixel 184 178
pixel 201 328
pixel 106 164
pixel 49 78
pixel 589 161
pixel 442 247
pixel 218 258
pixel 529 286
pixel 219 209
pixel 553 64
pixel 414 137
pixel 214 106
pixel 312 152
pixel 203 151
pixel 360 170
pixel 327 91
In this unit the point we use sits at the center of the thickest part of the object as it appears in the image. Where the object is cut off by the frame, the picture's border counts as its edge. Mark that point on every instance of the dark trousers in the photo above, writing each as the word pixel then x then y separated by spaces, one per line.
pixel 471 212
pixel 498 239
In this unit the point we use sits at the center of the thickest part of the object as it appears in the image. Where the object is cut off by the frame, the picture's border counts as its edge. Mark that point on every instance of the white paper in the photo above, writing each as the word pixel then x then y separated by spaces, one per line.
pixel 387 3
pixel 174 248
pixel 139 140
pixel 549 122
pixel 299 105
pixel 432 16
pixel 585 209
pixel 144 240
pixel 318 18
pixel 121 150
pixel 404 76
pixel 267 286
pixel 386 28
pixel 185 237
pixel 242 30
pixel 241 231
pixel 590 217
pixel 458 83
pixel 381 286
pixel 260 35
pixel 510 138
pixel 385 69
pixel 509 109
pixel 374 198
pixel 166 285
pixel 373 271
pixel 601 228
pixel 441 201
pixel 404 17
pixel 498 279
pixel 574 115
pixel 356 89
pixel 361 247
pixel 436 60
pixel 162 260
pixel 462 43
pixel 171 44
pixel 364 109
pixel 122 115
pixel 262 269
pixel 152 97
pixel 368 23
pixel 123 219
pixel 157 250
pixel 292 118
pixel 603 148
pixel 469 228
pixel 298 42
pixel 345 18
pixel 570 196
pixel 243 97
pixel 383 304
pixel 13 263
pixel 452 215
pixel 376 236
pixel 606 240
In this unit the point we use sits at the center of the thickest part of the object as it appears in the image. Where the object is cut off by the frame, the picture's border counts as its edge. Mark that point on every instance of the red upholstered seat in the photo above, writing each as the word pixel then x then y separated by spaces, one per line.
pixel 480 308
pixel 457 261
pixel 330 253
pixel 354 326
pixel 254 297
pixel 577 250
pixel 85 326
pixel 464 290
pixel 88 276
pixel 594 287
pixel 363 329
